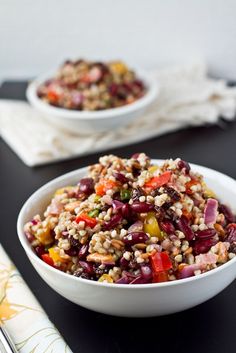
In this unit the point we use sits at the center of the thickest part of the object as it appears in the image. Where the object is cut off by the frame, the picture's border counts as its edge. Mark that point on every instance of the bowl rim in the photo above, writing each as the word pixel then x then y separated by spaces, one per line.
pixel 150 95
pixel 30 253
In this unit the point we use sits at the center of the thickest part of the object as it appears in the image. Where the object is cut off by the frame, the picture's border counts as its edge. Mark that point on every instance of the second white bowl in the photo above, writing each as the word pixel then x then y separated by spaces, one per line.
pixel 86 122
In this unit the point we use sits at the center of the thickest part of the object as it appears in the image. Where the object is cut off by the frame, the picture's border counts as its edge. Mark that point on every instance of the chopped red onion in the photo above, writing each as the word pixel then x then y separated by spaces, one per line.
pixel 210 212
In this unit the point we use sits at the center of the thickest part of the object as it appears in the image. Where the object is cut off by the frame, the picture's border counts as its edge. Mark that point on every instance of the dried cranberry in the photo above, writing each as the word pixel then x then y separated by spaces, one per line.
pixel 229 216
pixel 83 252
pixel 86 276
pixel 73 242
pixel 136 193
pixel 231 233
pixel 167 205
pixel 232 248
pixel 174 195
pixel 73 251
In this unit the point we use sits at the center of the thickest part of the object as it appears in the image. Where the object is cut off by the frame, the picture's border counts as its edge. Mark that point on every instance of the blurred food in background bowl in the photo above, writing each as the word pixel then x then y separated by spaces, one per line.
pixel 86 97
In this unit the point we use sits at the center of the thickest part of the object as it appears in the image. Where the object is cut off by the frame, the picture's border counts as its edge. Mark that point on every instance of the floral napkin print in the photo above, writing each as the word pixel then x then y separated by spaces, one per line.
pixel 23 317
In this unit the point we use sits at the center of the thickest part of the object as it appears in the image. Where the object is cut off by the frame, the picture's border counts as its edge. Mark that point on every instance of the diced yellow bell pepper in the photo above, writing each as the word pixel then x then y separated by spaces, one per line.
pixel 151 226
pixel 153 169
pixel 207 191
pixel 44 236
pixel 105 278
pixel 63 190
pixel 118 67
pixel 55 256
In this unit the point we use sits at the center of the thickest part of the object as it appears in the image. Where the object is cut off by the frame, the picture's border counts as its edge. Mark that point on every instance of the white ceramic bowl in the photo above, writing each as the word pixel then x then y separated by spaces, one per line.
pixel 93 121
pixel 130 300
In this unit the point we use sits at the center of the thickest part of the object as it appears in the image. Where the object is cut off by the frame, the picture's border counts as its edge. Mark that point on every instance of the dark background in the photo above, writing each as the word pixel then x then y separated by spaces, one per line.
pixel 209 327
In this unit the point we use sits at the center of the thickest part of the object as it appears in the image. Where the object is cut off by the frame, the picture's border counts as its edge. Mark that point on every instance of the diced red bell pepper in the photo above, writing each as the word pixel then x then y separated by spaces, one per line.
pixel 89 221
pixel 159 180
pixel 52 96
pixel 160 262
pixel 188 186
pixel 160 277
pixel 46 258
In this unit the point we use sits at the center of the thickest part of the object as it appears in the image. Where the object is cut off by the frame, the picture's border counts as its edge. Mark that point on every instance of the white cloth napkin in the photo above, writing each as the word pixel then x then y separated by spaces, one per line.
pixel 187 97
pixel 23 317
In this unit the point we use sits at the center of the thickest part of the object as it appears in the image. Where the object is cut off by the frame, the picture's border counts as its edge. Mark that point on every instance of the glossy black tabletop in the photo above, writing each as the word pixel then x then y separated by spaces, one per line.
pixel 209 327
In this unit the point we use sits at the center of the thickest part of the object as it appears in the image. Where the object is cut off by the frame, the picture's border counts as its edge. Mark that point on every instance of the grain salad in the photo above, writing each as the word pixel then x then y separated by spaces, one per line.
pixel 132 222
pixel 92 86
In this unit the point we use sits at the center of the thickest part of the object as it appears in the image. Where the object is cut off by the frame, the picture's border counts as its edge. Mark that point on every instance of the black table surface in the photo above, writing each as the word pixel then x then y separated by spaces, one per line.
pixel 209 327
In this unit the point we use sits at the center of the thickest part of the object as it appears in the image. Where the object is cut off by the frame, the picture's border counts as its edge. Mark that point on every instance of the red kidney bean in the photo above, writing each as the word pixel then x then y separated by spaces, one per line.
pixel 205 234
pixel 120 177
pixel 141 207
pixel 126 211
pixel 87 267
pixel 183 225
pixel 113 222
pixel 146 272
pixel 231 233
pixel 86 185
pixel 135 238
pixel 30 237
pixel 124 264
pixel 167 226
pixel 184 165
pixel 83 252
pixel 40 250
pixel 229 216
pixel 117 205
pixel 203 246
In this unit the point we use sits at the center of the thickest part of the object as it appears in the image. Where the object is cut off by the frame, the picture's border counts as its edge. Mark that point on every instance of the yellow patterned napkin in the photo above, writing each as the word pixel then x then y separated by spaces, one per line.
pixel 23 317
